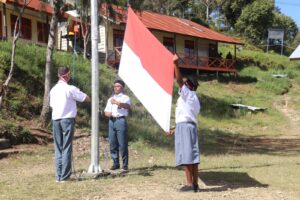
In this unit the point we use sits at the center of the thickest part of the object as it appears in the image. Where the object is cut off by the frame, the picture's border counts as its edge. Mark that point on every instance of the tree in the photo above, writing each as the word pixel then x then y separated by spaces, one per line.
pixel 290 31
pixel 287 23
pixel 208 4
pixel 232 9
pixel 160 6
pixel 295 42
pixel 255 20
pixel 83 9
pixel 45 114
pixel 16 35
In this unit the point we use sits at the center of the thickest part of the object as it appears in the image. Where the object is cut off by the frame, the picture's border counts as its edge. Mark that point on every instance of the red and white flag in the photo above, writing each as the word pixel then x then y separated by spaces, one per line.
pixel 147 68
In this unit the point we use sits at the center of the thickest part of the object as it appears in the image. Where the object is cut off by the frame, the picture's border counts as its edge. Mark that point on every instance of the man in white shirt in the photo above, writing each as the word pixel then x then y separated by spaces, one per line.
pixel 186 133
pixel 116 110
pixel 63 99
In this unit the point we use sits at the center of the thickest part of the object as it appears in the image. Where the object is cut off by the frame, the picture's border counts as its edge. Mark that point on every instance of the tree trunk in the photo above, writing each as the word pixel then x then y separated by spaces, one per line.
pixel 45 114
pixel 207 14
pixel 86 36
pixel 16 36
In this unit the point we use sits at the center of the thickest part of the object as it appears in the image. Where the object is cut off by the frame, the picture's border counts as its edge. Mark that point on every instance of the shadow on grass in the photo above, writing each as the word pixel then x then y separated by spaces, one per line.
pixel 215 180
pixel 142 171
pixel 220 142
pixel 222 181
pixel 216 108
pixel 227 78
pixel 148 171
pixel 246 62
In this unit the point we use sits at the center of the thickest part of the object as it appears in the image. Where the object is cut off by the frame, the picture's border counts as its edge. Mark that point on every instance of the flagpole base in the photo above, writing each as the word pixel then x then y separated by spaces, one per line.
pixel 87 175
pixel 94 169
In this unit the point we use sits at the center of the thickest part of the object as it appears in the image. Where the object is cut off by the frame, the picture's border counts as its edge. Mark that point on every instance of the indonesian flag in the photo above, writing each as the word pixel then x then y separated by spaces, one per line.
pixel 147 68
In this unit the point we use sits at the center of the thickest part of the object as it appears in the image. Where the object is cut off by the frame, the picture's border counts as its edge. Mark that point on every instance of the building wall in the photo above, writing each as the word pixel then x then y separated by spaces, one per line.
pixel 107 35
pixel 33 16
pixel 102 38
pixel 62 43
pixel 202 45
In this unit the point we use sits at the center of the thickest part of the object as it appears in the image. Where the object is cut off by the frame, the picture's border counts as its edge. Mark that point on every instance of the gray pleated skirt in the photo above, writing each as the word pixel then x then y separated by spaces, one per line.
pixel 186 144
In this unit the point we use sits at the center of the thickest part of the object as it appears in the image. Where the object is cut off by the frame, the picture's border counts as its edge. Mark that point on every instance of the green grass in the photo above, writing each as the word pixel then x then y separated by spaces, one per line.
pixel 239 149
pixel 153 175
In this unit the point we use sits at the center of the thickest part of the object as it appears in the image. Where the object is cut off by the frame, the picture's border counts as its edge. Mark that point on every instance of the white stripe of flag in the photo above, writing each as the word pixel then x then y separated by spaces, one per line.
pixel 147 68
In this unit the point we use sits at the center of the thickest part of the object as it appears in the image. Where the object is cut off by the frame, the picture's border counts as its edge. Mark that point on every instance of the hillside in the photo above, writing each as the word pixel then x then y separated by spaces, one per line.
pixel 255 86
pixel 244 155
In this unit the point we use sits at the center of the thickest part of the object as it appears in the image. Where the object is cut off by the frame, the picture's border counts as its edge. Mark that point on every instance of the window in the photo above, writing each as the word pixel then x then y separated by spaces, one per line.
pixel 169 43
pixel 189 48
pixel 43 32
pixel 25 27
pixel 118 38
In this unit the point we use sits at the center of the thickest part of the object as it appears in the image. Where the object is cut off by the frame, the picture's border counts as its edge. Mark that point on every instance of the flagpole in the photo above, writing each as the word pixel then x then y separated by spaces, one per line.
pixel 94 167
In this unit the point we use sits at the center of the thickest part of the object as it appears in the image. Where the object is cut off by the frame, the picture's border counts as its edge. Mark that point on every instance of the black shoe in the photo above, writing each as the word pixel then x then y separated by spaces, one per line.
pixel 196 188
pixel 186 188
pixel 114 167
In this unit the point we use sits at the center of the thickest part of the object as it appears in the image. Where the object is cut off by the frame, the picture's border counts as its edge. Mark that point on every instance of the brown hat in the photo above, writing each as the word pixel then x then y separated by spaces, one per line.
pixel 62 71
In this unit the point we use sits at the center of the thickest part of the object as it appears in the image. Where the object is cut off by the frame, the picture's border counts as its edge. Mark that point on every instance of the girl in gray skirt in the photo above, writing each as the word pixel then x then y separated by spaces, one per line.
pixel 186 132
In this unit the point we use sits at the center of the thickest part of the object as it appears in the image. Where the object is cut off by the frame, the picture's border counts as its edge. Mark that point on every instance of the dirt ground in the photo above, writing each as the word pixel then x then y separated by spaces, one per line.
pixel 155 188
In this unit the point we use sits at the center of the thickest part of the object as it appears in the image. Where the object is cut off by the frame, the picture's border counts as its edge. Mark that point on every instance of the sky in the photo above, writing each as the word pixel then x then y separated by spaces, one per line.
pixel 290 8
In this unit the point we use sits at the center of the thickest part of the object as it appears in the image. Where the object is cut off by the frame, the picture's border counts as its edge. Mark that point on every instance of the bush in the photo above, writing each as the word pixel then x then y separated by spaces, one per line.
pixel 15 133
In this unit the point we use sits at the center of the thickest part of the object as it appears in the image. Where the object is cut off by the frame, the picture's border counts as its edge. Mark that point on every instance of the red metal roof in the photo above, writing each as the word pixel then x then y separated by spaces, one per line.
pixel 182 26
pixel 169 24
pixel 34 5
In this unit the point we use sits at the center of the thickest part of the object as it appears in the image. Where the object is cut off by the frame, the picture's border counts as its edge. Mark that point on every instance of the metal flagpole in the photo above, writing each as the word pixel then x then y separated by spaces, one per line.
pixel 94 167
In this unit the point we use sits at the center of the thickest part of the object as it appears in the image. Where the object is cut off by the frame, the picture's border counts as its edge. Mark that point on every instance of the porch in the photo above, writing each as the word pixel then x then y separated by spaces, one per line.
pixel 203 63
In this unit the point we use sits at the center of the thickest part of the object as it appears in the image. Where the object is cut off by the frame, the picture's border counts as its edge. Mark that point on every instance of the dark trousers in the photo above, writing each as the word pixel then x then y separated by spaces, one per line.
pixel 63 131
pixel 118 141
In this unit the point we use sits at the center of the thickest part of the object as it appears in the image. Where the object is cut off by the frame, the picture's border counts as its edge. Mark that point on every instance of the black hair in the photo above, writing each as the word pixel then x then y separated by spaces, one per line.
pixel 120 82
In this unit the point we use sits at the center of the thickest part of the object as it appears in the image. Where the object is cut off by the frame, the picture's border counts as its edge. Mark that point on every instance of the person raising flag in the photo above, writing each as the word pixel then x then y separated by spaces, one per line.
pixel 186 132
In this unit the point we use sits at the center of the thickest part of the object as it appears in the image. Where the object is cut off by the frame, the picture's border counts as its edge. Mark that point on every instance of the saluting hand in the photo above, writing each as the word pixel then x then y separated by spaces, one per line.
pixel 118 103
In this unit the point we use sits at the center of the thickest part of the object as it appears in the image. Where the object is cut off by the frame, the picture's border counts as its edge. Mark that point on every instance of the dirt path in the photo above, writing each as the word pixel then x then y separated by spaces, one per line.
pixel 292 114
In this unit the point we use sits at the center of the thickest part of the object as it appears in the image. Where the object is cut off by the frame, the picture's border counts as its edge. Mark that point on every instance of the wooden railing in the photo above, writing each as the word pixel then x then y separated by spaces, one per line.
pixel 207 63
pixel 192 62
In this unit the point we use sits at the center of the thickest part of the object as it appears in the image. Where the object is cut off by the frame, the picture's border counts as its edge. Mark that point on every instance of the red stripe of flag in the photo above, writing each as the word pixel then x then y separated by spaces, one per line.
pixel 155 58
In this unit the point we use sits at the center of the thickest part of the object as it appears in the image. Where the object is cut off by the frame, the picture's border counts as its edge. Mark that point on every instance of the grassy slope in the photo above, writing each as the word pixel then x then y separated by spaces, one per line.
pixel 229 141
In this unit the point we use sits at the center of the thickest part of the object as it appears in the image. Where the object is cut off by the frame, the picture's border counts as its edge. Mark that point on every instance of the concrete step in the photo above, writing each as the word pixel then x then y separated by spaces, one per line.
pixel 4 143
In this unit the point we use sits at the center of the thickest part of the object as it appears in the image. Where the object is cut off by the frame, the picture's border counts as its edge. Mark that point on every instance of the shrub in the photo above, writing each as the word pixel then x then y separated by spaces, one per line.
pixel 15 133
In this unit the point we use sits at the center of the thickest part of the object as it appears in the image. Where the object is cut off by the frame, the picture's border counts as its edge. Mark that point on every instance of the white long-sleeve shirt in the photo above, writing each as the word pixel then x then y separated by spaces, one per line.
pixel 187 107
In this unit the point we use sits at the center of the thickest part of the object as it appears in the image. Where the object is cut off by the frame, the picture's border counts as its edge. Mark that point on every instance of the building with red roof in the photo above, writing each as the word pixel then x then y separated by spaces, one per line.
pixel 35 20
pixel 196 45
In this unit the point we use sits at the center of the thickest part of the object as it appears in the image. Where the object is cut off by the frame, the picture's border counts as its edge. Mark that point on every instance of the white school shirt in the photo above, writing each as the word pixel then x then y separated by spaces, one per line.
pixel 63 99
pixel 114 109
pixel 187 106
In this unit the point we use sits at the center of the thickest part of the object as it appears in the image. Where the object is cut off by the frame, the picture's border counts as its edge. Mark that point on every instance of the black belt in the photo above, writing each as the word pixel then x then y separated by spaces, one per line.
pixel 116 118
